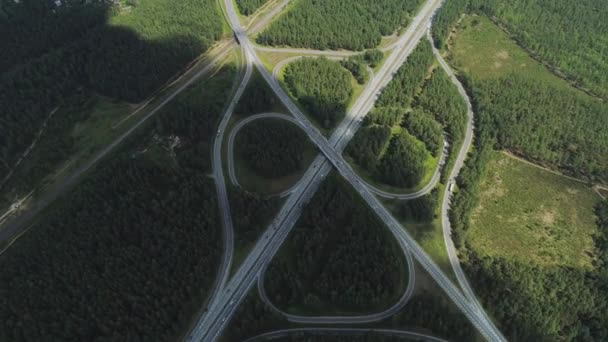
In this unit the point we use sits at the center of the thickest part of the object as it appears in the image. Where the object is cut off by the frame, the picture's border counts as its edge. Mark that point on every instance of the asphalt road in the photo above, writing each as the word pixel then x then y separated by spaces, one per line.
pixel 13 227
pixel 462 154
pixel 220 186
pixel 232 138
pixel 17 226
pixel 211 325
pixel 344 331
pixel 350 319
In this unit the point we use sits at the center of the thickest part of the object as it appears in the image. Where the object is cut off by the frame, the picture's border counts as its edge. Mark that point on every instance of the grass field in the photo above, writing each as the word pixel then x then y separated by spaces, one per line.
pixel 532 215
pixel 483 50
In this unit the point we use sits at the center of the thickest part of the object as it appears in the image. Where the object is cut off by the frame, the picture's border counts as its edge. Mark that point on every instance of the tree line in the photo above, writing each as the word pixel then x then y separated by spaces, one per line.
pixel 251 213
pixel 272 148
pixel 322 86
pixel 339 255
pixel 561 127
pixel 352 25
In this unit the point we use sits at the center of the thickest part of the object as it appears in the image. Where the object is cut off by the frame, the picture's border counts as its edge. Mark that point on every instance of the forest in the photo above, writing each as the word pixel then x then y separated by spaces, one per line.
pixel 129 255
pixel 567 35
pixel 272 148
pixel 376 136
pixel 247 7
pixel 62 56
pixel 251 213
pixel 561 128
pixel 257 98
pixel 409 120
pixel 526 108
pixel 131 252
pixel 403 162
pixel 430 309
pixel 338 257
pixel 251 318
pixel 322 86
pixel 421 209
pixel 352 25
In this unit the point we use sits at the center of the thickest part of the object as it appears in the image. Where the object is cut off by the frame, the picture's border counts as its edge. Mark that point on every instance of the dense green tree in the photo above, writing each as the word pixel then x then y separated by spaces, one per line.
pixel 357 67
pixel 322 86
pixel 60 55
pixel 130 254
pixel 435 312
pixel 404 85
pixel 385 116
pixel 367 144
pixel 546 123
pixel 257 98
pixel 251 214
pixel 403 164
pixel 337 254
pixel 353 24
pixel 252 318
pixel 420 209
pixel 247 7
pixel 422 125
pixel 272 148
pixel 373 57
pixel 441 98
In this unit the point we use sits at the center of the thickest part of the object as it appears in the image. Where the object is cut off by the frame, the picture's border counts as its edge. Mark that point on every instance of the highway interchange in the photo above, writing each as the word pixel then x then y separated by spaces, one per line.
pixel 226 295
pixel 210 325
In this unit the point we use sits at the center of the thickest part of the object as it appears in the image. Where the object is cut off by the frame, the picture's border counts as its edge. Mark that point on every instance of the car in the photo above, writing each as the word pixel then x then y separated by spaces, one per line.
pixel 451 187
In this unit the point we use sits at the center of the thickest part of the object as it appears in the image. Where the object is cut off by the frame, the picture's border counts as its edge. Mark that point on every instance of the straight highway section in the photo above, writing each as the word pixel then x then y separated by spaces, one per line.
pixel 211 325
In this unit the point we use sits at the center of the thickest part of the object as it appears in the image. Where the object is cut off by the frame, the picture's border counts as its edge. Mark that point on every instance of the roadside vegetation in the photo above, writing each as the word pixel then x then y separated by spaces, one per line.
pixel 71 57
pixel 247 7
pixel 323 88
pixel 352 25
pixel 258 98
pixel 432 312
pixel 252 318
pixel 402 137
pixel 531 241
pixel 132 250
pixel 251 214
pixel 272 148
pixel 338 259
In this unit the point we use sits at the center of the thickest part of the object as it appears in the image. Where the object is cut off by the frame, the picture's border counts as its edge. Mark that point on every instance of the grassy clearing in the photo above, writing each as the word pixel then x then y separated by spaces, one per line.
pixel 483 50
pixel 529 214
